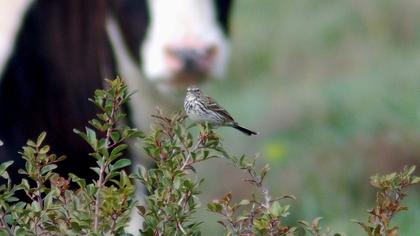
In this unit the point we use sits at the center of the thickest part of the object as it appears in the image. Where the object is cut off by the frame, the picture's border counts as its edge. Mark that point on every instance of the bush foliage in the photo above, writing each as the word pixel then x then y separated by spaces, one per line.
pixel 102 207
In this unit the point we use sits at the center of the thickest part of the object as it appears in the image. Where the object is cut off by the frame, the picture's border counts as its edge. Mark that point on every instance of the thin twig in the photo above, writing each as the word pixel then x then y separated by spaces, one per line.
pixel 194 149
pixel 104 165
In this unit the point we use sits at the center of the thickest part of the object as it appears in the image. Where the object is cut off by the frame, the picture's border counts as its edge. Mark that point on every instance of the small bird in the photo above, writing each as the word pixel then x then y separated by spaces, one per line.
pixel 201 108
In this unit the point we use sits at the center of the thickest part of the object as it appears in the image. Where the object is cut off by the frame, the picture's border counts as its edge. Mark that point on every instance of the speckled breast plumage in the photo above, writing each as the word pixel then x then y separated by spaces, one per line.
pixel 198 112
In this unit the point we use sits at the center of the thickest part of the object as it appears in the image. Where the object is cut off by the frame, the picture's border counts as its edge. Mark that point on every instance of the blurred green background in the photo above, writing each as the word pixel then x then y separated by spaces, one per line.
pixel 334 89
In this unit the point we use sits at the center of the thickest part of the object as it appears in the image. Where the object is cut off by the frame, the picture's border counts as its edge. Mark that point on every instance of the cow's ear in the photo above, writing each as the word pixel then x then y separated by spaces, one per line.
pixel 223 9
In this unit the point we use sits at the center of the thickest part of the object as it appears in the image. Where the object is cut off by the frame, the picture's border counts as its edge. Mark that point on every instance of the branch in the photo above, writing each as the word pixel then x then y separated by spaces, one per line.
pixel 101 181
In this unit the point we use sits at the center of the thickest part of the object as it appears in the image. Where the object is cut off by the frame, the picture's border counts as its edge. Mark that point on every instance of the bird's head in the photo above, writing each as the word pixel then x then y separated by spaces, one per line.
pixel 193 90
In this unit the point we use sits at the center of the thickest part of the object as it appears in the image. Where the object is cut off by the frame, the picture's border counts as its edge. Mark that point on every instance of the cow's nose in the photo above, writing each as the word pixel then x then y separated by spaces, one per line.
pixel 190 61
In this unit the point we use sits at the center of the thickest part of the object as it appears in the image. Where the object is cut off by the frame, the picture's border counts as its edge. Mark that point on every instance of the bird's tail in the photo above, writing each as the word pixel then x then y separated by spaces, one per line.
pixel 244 130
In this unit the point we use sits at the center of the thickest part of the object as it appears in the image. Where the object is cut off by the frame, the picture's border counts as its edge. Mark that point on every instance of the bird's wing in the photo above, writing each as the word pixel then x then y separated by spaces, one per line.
pixel 214 106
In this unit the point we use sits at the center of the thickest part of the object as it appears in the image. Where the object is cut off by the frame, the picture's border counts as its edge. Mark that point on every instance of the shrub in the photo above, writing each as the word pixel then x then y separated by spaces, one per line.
pixel 97 208
pixel 388 201
pixel 102 207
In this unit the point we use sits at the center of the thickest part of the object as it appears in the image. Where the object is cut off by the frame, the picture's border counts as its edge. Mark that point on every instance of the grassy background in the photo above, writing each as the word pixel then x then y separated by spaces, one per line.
pixel 334 89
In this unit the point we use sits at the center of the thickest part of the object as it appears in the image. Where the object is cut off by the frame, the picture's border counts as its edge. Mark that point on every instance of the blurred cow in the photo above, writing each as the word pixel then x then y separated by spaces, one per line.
pixel 54 54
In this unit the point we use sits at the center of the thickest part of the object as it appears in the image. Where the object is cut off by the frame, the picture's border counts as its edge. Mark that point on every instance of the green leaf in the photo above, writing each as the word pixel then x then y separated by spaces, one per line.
pixel 276 209
pixel 188 184
pixel 99 93
pixel 81 134
pixel 81 182
pixel 44 149
pixel 19 231
pixel 3 168
pixel 41 138
pixel 115 136
pixel 97 124
pixel 177 183
pixel 12 199
pixel 91 138
pixel 61 158
pixel 214 207
pixel 35 207
pixel 118 149
pixel 142 172
pixel 265 170
pixel 48 168
pixel 48 200
pixel 306 224
pixel 25 184
pixel 415 180
pixel 120 164
pixel 31 143
pixel 134 133
pixel 205 154
pixel 411 170
pixel 261 225
pixel 244 202
pixel 96 169
pixel 375 182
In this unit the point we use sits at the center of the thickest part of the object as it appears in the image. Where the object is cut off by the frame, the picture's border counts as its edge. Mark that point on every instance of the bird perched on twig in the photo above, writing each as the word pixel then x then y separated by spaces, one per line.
pixel 201 109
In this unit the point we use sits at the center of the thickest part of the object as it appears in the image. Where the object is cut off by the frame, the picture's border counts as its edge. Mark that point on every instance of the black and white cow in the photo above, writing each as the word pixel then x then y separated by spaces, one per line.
pixel 55 53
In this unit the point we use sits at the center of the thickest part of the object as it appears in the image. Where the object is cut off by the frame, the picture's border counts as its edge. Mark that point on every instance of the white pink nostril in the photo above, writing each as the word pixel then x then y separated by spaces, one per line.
pixel 190 60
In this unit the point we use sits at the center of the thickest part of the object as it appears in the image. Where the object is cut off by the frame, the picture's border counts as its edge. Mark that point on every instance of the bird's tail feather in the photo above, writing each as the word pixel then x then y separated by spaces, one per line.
pixel 244 130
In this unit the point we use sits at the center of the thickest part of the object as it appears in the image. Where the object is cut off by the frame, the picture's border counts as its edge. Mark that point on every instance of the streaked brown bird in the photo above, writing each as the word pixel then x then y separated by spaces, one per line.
pixel 201 109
